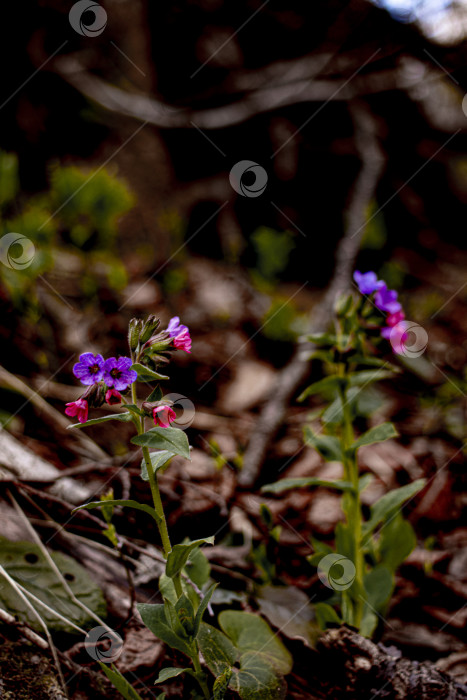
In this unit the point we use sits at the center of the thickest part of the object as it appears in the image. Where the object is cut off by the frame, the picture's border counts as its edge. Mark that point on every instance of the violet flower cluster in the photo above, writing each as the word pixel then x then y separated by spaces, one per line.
pixel 105 379
pixel 386 301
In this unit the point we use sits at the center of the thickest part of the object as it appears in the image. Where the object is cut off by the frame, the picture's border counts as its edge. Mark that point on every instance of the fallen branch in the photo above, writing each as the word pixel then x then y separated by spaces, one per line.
pixel 296 371
pixel 360 668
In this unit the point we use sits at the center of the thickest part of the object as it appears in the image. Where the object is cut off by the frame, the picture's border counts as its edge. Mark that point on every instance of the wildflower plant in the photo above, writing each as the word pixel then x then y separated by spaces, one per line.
pixel 367 551
pixel 244 654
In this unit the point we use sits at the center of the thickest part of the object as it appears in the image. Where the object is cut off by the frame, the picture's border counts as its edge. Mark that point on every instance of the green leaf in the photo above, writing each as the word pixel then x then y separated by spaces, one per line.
pixel 155 395
pixel 218 651
pixel 368 376
pixel 171 672
pixel 380 433
pixel 364 481
pixel 221 684
pixel 180 552
pixel 158 460
pixel 369 622
pixel 374 362
pixel 396 541
pixel 125 417
pixel 322 339
pixel 173 440
pixel 287 484
pixel 155 619
pixel 326 615
pixel 327 445
pixel 257 679
pixel 288 609
pixel 174 621
pixel 198 567
pixel 257 676
pixel 120 682
pixel 250 632
pixel 202 608
pixel 390 503
pixel 186 614
pixel 133 408
pixel 333 415
pixel 323 385
pixel 147 375
pixel 26 564
pixel 378 585
pixel 128 504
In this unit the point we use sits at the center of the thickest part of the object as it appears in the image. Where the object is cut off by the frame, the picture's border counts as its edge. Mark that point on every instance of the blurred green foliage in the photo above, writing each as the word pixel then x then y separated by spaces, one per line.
pixel 273 250
pixel 77 216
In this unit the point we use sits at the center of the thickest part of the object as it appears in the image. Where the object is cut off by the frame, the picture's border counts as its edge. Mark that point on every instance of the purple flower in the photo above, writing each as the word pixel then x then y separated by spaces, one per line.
pixel 89 369
pixel 367 282
pixel 386 300
pixel 117 373
pixel 180 334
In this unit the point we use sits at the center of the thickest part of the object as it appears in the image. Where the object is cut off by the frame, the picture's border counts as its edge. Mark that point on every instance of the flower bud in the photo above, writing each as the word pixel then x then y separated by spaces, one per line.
pixel 95 395
pixel 134 332
pixel 157 344
pixel 149 327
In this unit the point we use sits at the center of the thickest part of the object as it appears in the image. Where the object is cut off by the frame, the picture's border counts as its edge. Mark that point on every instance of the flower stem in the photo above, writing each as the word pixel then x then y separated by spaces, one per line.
pixel 200 677
pixel 156 497
pixel 354 515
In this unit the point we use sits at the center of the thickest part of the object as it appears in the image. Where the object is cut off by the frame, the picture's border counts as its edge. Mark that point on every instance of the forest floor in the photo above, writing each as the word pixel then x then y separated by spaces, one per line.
pixel 228 376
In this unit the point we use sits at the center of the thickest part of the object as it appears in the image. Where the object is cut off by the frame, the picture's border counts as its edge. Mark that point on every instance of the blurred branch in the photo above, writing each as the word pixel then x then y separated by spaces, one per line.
pixel 291 89
pixel 295 372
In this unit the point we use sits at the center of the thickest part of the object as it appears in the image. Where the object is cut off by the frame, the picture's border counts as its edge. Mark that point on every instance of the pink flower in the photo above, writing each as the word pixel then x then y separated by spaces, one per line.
pixel 397 336
pixel 180 334
pixel 112 396
pixel 394 319
pixel 163 416
pixel 78 408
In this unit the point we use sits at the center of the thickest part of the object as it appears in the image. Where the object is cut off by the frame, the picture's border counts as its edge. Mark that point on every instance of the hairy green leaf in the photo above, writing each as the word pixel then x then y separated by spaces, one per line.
pixel 327 445
pixel 155 619
pixel 128 504
pixel 125 417
pixel 158 460
pixel 379 433
pixel 390 503
pixel 171 672
pixel 180 552
pixel 147 375
pixel 120 682
pixel 173 440
pixel 287 484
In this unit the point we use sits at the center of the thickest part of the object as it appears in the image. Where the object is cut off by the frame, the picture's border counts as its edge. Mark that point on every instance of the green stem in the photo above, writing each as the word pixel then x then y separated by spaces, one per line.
pixel 156 497
pixel 200 677
pixel 355 513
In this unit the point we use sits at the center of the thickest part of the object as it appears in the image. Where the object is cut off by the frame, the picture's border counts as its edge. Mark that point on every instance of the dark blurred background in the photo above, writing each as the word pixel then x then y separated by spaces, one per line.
pixel 118 135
